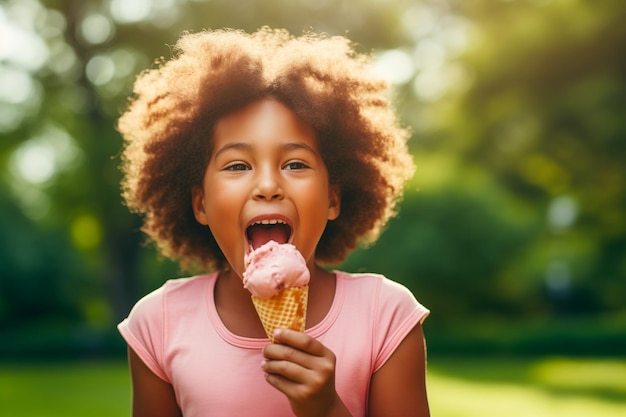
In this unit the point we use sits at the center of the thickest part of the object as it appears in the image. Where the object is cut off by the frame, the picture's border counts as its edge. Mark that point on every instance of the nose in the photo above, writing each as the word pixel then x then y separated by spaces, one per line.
pixel 268 185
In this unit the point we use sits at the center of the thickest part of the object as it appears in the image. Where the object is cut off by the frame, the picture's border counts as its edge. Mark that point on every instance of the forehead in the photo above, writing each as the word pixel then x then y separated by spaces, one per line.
pixel 262 120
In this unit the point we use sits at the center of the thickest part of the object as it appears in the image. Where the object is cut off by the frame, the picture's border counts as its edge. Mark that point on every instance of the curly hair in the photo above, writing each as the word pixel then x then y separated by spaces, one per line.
pixel 168 125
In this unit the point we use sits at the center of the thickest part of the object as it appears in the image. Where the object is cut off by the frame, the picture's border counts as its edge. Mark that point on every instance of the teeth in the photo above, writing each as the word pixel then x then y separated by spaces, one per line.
pixel 270 221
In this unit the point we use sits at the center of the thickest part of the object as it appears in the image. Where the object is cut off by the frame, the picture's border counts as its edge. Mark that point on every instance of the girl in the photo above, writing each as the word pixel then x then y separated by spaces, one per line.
pixel 241 139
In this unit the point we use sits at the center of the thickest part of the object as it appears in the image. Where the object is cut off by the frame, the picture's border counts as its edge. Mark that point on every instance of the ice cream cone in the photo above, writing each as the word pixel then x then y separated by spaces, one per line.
pixel 285 310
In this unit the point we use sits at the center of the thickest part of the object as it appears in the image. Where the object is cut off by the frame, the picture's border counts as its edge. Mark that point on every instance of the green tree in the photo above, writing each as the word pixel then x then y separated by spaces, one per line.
pixel 516 108
pixel 544 116
pixel 64 79
pixel 523 98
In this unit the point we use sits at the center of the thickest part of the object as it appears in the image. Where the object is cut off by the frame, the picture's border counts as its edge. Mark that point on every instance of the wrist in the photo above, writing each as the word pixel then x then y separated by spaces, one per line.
pixel 338 409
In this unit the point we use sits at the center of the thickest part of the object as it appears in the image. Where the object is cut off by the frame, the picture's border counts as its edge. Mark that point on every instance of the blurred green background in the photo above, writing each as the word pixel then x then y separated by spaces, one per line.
pixel 513 230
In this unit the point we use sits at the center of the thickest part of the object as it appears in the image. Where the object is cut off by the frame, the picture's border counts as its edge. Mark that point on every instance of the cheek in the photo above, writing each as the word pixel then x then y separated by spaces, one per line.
pixel 221 210
pixel 315 207
pixel 223 222
pixel 220 206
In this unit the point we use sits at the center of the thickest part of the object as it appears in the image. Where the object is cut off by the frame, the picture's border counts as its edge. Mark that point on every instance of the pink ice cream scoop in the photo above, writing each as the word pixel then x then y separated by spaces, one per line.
pixel 272 267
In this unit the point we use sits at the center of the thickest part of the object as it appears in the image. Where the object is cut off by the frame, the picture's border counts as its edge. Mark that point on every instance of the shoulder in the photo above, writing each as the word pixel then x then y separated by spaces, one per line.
pixel 172 292
pixel 389 301
pixel 383 289
pixel 393 309
pixel 145 328
pixel 187 287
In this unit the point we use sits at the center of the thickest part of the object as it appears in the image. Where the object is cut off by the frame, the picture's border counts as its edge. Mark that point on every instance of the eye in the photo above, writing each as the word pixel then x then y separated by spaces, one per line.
pixel 237 166
pixel 295 165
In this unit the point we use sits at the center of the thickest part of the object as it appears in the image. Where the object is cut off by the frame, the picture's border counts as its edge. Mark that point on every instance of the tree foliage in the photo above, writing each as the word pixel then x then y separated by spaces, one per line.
pixel 517 112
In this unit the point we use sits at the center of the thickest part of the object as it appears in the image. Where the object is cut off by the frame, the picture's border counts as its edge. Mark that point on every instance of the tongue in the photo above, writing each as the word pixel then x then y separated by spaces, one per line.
pixel 261 234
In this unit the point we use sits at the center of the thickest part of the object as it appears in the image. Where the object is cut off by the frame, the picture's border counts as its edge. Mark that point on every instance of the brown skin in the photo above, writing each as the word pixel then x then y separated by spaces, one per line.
pixel 266 162
pixel 304 370
pixel 399 387
pixel 300 367
pixel 168 125
pixel 152 397
pixel 357 163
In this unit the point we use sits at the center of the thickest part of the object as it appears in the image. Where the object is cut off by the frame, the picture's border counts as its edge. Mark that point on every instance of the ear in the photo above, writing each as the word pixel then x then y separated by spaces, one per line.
pixel 197 203
pixel 334 199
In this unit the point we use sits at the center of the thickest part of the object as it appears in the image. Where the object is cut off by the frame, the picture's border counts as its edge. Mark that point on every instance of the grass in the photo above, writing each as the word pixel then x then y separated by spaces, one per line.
pixel 458 387
pixel 94 389
pixel 527 387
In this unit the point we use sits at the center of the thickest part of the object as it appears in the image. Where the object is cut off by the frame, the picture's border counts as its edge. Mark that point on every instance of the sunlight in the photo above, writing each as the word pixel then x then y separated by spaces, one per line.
pixel 450 396
pixel 63 59
pixel 395 66
pixel 15 86
pixel 100 69
pixel 562 213
pixel 96 28
pixel 38 159
pixel 598 374
pixel 34 162
pixel 124 11
pixel 19 45
pixel 419 20
pixel 22 53
pixel 439 37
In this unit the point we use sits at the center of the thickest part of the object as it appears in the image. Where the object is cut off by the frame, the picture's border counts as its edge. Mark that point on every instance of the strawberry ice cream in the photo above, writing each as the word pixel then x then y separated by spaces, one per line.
pixel 277 277
pixel 272 268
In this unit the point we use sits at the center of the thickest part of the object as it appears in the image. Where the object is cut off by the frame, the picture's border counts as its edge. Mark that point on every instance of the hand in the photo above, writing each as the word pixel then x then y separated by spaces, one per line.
pixel 304 370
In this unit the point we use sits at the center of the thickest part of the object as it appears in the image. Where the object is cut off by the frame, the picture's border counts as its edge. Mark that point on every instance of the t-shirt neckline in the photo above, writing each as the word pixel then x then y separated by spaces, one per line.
pixel 258 343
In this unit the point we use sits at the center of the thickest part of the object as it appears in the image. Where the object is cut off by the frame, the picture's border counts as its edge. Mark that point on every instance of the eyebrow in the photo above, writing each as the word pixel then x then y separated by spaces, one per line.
pixel 299 145
pixel 234 145
pixel 247 147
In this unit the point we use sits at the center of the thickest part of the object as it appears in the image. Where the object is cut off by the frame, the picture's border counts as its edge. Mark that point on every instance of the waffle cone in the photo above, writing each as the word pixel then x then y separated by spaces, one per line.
pixel 285 310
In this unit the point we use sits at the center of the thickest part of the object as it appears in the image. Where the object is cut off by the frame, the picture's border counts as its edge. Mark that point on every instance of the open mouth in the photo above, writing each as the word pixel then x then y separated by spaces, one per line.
pixel 262 231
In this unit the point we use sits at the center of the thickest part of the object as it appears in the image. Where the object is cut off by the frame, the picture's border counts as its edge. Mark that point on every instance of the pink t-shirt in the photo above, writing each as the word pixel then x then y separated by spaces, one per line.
pixel 177 332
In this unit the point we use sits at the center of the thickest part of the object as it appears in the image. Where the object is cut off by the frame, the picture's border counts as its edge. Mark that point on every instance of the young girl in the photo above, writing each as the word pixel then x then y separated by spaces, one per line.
pixel 238 140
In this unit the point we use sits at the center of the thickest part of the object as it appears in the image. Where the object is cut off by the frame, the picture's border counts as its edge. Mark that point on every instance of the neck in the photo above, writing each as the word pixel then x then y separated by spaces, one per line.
pixel 235 308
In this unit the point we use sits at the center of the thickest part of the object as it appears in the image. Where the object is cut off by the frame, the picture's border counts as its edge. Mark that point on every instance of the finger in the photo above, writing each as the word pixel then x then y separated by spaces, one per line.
pixel 296 382
pixel 285 369
pixel 284 352
pixel 300 341
pixel 298 366
pixel 283 384
pixel 290 379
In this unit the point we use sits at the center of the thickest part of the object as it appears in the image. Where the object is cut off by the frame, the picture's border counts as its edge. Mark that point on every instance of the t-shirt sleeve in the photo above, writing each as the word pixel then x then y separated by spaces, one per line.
pixel 143 330
pixel 397 313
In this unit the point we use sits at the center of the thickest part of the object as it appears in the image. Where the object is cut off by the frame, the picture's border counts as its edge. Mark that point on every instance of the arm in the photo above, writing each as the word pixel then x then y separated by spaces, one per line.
pixel 304 370
pixel 152 397
pixel 398 389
